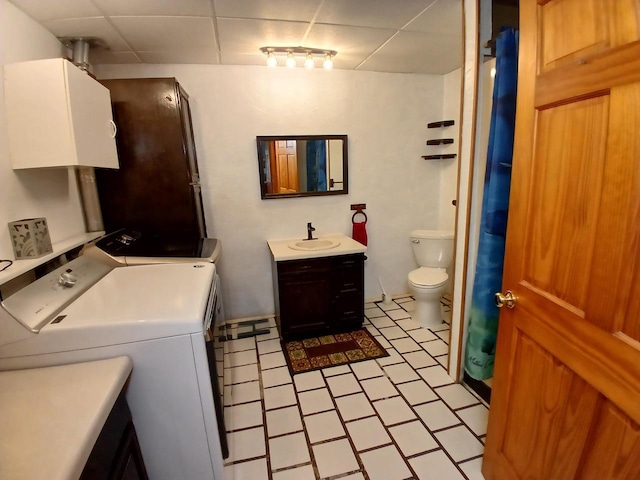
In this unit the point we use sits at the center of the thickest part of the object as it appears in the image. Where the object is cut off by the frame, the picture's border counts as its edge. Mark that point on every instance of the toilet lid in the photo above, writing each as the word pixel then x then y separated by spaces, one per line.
pixel 428 276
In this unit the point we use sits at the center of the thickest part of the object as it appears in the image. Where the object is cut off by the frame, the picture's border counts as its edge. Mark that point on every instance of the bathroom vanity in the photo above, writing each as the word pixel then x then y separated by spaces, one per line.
pixel 318 286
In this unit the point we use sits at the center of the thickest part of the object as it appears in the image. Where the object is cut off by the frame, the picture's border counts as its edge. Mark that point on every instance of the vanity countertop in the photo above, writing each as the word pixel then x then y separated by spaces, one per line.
pixel 51 417
pixel 281 250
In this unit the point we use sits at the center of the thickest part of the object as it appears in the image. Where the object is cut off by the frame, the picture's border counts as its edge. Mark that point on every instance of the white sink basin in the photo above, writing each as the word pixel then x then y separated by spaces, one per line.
pixel 314 245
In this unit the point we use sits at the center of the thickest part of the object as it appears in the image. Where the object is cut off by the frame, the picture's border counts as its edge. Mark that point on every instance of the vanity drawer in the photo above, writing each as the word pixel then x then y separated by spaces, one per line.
pixel 348 262
pixel 305 266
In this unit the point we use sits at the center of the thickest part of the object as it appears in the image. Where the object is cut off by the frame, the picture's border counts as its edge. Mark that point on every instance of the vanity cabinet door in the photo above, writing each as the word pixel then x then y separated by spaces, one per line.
pixel 305 304
pixel 348 292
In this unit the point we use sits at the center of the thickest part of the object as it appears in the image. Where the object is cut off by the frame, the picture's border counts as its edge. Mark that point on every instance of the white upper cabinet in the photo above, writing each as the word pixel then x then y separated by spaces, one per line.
pixel 58 116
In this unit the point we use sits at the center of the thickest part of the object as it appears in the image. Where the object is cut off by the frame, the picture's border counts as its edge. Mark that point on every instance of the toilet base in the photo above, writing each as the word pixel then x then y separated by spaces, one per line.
pixel 428 313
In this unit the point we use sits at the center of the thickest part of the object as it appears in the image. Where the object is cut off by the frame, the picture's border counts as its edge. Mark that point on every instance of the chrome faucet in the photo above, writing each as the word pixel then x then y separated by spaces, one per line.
pixel 310 231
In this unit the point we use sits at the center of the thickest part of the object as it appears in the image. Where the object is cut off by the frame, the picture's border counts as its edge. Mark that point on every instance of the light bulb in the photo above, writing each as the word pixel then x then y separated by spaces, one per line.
pixel 272 61
pixel 328 63
pixel 309 63
pixel 291 61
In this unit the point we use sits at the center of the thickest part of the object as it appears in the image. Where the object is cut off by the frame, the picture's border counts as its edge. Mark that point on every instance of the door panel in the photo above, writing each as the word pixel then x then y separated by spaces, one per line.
pixel 566 396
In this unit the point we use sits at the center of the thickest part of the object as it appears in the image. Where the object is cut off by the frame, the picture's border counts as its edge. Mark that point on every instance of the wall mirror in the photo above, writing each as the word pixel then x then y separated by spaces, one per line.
pixel 302 165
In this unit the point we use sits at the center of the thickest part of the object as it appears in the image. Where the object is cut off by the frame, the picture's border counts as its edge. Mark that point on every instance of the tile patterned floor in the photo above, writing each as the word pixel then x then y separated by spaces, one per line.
pixel 396 418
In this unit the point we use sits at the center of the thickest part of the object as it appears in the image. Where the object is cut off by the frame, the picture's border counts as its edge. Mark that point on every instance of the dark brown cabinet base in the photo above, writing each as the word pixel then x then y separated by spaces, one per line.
pixel 318 296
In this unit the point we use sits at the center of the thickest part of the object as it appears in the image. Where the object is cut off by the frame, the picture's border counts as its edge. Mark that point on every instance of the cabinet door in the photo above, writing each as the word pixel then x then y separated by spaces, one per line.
pixel 90 115
pixel 305 304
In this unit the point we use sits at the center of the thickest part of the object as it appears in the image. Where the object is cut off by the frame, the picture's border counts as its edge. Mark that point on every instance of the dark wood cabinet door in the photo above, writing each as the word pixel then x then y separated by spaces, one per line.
pixel 305 302
pixel 153 190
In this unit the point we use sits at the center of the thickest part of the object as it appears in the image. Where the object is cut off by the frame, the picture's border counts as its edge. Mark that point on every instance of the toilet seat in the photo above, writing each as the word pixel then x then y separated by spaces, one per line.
pixel 427 278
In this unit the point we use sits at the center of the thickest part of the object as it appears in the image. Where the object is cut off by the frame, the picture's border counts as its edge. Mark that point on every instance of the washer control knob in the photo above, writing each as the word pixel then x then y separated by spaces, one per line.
pixel 67 279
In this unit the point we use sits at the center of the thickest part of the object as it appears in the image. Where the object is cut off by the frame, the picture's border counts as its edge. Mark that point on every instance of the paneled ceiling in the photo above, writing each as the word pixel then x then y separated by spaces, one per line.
pixel 399 36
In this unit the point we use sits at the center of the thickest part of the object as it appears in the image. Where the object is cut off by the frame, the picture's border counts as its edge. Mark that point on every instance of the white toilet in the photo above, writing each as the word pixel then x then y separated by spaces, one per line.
pixel 433 250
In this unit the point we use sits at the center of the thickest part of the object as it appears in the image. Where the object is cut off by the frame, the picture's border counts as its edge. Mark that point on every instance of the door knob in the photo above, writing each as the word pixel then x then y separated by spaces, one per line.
pixel 507 299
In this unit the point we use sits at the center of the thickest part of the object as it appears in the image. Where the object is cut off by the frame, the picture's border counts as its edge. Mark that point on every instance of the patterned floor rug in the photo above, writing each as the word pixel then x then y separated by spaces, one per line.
pixel 331 350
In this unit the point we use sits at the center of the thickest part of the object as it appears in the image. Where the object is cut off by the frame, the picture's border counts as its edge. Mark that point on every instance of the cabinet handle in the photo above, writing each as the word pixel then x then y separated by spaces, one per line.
pixel 114 128
pixel 349 313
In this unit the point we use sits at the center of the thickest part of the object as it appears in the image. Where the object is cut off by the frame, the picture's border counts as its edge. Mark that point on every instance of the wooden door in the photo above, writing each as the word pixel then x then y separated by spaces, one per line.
pixel 566 396
pixel 287 165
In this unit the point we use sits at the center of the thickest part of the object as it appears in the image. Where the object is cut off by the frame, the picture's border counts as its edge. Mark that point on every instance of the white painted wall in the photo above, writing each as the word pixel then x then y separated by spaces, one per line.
pixel 385 117
pixel 449 168
pixel 50 193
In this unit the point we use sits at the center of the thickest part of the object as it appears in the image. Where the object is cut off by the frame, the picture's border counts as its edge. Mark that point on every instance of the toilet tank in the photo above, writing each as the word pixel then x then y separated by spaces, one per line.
pixel 432 248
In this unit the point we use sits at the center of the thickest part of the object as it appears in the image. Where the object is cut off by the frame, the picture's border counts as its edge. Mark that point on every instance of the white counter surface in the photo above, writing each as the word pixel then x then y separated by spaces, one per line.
pixel 50 418
pixel 281 251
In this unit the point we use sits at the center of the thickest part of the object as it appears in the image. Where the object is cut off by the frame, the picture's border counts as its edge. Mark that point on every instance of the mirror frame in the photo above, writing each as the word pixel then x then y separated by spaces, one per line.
pixel 345 164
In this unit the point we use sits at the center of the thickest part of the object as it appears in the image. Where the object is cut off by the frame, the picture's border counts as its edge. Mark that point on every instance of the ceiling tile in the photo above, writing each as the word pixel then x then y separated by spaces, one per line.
pixel 155 7
pixel 444 16
pixel 55 10
pixel 416 52
pixel 243 59
pixel 191 56
pixel 372 13
pixel 347 40
pixel 101 57
pixel 247 36
pixel 88 27
pixel 298 10
pixel 154 34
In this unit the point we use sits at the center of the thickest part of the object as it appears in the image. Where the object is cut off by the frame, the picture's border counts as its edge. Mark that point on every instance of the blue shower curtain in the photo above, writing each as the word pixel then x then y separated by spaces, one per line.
pixel 316 166
pixel 483 322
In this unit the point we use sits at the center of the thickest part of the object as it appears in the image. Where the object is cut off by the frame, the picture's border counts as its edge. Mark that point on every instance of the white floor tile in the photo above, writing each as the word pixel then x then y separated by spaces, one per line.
pixel 272 360
pixel 413 438
pixel 343 385
pixel 389 306
pixel 417 392
pixel 276 397
pixel 408 324
pixel 442 326
pixel 419 359
pixel 273 333
pixel 240 344
pixel 372 330
pixel 288 450
pixel 394 357
pixel 373 312
pixel 246 357
pixel 384 343
pixel 276 376
pixel 367 369
pixel 393 410
pixel 436 347
pixel 283 420
pixel 401 373
pixel 436 415
pixel 246 444
pixel 403 299
pixel 308 380
pixel 334 458
pixel 241 393
pixel 353 407
pixel 301 473
pixel 378 388
pixel 444 335
pixel 476 418
pixel 368 433
pixel 472 469
pixel 443 360
pixel 355 476
pixel 246 373
pixel 435 376
pixel 435 465
pixel 385 463
pixel 315 401
pixel 339 370
pixel 383 322
pixel 456 396
pixel 398 314
pixel 269 346
pixel 422 335
pixel 253 470
pixel 404 345
pixel 392 333
pixel 243 416
pixel 460 443
pixel 409 306
pixel 323 426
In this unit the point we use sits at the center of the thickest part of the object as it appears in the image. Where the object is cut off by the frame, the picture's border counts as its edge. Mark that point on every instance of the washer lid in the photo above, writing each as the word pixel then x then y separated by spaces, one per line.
pixel 430 277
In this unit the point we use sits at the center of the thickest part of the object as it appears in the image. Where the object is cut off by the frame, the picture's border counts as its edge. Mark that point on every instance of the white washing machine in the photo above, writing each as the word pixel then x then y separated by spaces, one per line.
pixel 156 314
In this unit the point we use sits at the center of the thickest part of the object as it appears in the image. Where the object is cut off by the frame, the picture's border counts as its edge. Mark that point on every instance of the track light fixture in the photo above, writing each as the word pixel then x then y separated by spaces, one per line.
pixel 292 52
